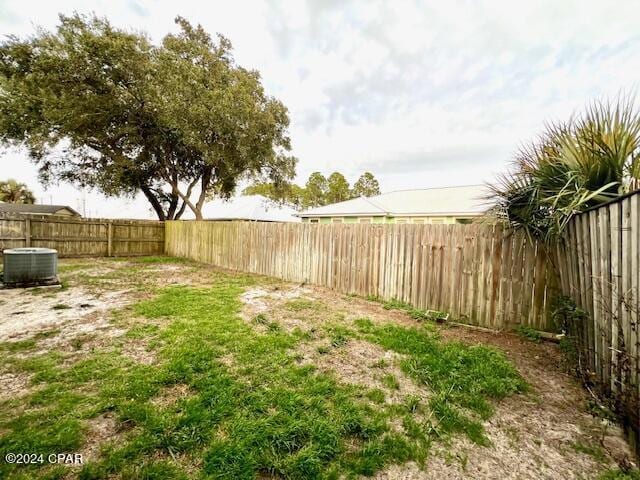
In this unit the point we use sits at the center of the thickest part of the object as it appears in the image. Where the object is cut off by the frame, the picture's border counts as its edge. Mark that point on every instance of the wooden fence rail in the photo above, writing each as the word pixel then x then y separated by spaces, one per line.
pixel 87 237
pixel 481 274
pixel 599 267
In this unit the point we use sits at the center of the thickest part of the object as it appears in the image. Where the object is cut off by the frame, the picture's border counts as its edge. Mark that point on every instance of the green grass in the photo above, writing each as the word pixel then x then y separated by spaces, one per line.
pixel 303 304
pixel 17 346
pixel 415 313
pixel 323 349
pixel 376 395
pixel 260 319
pixel 529 333
pixel 390 382
pixel 266 414
pixel 617 474
pixel 382 363
pixel 594 451
pixel 463 379
pixel 338 335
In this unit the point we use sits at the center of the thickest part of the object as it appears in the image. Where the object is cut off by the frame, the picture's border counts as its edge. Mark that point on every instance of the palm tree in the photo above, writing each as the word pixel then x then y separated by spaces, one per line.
pixel 12 191
pixel 591 159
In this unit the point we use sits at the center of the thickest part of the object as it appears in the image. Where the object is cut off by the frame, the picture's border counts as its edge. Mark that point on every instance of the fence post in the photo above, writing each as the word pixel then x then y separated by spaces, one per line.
pixel 109 239
pixel 27 232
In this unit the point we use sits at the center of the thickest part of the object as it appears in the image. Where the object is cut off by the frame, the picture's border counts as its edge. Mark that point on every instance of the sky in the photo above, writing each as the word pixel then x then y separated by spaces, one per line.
pixel 422 94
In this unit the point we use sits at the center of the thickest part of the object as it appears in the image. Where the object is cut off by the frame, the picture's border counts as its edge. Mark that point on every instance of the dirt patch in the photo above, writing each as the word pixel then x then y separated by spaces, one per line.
pixel 13 385
pixel 168 275
pixel 260 299
pixel 83 309
pixel 272 305
pixel 408 471
pixel 139 352
pixel 357 362
pixel 169 396
pixel 27 314
pixel 349 308
pixel 100 431
pixel 363 363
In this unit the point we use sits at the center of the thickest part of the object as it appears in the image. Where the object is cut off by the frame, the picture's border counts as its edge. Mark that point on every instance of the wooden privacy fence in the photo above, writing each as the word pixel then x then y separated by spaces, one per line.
pixel 599 266
pixel 74 237
pixel 481 274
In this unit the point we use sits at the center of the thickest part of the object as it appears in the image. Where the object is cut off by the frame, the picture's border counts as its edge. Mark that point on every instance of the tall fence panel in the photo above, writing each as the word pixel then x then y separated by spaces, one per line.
pixel 599 267
pixel 85 237
pixel 481 274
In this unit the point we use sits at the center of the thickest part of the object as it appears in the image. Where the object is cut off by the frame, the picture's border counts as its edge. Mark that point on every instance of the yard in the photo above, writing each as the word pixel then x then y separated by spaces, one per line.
pixel 161 368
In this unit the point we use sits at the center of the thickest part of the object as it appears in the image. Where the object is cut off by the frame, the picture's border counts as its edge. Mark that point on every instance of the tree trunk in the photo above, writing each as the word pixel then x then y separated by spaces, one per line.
pixel 186 199
pixel 174 198
pixel 180 211
pixel 206 179
pixel 154 202
pixel 172 206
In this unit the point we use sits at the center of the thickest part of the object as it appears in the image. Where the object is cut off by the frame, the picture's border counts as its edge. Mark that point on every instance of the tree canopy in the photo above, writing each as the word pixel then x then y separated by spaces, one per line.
pixel 366 186
pixel 12 191
pixel 338 188
pixel 315 190
pixel 318 190
pixel 104 108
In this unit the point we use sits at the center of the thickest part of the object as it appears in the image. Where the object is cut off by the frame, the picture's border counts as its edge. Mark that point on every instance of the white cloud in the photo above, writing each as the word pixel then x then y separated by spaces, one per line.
pixel 423 93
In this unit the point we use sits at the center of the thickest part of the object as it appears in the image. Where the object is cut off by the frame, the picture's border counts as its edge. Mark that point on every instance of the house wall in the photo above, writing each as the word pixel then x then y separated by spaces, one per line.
pixel 392 220
pixel 63 212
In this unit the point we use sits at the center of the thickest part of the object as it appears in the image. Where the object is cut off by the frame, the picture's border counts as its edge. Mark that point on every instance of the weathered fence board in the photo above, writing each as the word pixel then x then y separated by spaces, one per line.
pixel 599 267
pixel 481 274
pixel 86 237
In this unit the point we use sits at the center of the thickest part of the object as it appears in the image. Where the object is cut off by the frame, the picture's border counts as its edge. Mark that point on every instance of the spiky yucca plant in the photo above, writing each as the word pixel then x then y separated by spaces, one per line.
pixel 589 160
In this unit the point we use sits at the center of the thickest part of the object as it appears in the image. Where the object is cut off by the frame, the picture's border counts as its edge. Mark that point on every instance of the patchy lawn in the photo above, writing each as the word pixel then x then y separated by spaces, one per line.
pixel 159 368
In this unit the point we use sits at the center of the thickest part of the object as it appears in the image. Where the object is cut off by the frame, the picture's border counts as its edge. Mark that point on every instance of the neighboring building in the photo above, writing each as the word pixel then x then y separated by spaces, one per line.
pixel 429 205
pixel 249 208
pixel 36 209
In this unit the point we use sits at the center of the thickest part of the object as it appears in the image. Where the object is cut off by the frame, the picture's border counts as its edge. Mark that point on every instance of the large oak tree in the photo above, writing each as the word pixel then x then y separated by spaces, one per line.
pixel 105 108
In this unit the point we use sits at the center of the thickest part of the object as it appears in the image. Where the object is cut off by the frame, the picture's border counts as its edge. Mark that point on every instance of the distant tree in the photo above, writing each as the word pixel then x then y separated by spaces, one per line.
pixel 366 186
pixel 296 196
pixel 338 188
pixel 315 191
pixel 12 191
pixel 170 121
pixel 318 190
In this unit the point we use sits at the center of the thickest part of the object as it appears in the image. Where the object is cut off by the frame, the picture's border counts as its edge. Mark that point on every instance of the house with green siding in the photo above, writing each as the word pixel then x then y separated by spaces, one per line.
pixel 445 205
